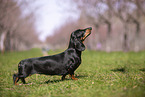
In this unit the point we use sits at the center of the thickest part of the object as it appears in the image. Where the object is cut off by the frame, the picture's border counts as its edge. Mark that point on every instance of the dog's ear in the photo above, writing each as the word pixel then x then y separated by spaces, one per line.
pixel 77 43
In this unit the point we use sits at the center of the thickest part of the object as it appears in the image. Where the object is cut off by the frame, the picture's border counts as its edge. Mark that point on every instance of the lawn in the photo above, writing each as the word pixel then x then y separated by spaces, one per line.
pixel 101 74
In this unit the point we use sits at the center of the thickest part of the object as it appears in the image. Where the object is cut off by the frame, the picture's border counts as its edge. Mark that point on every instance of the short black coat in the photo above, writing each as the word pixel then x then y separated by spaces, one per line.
pixel 60 64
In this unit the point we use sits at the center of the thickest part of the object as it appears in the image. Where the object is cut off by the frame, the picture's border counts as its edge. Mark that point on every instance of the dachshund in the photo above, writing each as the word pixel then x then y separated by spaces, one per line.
pixel 60 64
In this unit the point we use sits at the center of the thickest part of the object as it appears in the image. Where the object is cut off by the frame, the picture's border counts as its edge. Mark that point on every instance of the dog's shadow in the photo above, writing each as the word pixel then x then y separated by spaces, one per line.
pixel 56 81
pixel 52 81
pixel 123 70
pixel 81 76
pixel 143 69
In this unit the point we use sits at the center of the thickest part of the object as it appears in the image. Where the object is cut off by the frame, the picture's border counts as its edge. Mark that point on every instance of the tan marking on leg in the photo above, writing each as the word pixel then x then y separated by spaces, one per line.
pixel 73 77
pixel 16 81
pixel 69 75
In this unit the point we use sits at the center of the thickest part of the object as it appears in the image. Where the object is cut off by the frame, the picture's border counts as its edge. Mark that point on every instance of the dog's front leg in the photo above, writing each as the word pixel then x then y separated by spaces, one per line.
pixel 63 77
pixel 73 77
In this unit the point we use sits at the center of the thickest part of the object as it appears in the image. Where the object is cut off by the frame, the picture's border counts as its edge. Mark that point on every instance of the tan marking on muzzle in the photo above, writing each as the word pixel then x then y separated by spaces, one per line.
pixel 88 31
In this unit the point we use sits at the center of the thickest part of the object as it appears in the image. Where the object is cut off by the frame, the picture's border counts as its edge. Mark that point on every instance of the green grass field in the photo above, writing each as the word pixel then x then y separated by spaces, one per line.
pixel 101 74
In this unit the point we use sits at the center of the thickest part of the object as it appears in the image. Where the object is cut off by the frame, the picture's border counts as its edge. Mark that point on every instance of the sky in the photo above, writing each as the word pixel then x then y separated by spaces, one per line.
pixel 51 14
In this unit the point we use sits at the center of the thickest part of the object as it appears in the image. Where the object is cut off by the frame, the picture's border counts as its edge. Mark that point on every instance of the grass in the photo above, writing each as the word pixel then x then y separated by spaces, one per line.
pixel 101 74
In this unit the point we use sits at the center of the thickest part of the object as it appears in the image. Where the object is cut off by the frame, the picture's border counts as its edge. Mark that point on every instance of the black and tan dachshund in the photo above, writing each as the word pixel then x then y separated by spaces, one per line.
pixel 61 64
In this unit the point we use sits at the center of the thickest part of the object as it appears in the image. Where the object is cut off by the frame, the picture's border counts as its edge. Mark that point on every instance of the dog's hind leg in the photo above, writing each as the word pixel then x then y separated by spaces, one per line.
pixel 20 75
pixel 15 78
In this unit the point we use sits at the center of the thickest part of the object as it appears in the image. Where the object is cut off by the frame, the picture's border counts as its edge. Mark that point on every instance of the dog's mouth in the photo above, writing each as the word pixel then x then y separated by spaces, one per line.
pixel 87 33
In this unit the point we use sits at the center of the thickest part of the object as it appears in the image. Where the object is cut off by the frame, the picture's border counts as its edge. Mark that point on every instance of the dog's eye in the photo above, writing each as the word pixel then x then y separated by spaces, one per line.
pixel 82 33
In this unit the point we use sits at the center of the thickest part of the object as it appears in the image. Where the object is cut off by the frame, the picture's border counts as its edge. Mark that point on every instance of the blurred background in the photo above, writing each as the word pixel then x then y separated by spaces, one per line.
pixel 118 25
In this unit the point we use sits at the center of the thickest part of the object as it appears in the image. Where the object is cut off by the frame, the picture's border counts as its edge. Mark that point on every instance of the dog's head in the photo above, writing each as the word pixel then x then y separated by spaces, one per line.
pixel 77 38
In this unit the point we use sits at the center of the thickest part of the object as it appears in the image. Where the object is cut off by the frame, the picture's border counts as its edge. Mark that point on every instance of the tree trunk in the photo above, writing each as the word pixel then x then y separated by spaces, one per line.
pixel 137 35
pixel 7 41
pixel 108 28
pixel 125 38
pixel 108 39
pixel 2 41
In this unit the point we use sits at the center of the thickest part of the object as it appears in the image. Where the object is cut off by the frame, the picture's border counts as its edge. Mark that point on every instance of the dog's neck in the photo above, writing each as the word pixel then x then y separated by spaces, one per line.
pixel 71 45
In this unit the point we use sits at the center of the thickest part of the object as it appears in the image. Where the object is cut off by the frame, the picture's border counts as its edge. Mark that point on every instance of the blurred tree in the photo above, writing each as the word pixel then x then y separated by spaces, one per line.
pixel 61 36
pixel 121 10
pixel 129 11
pixel 103 11
pixel 135 17
pixel 118 23
pixel 16 31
